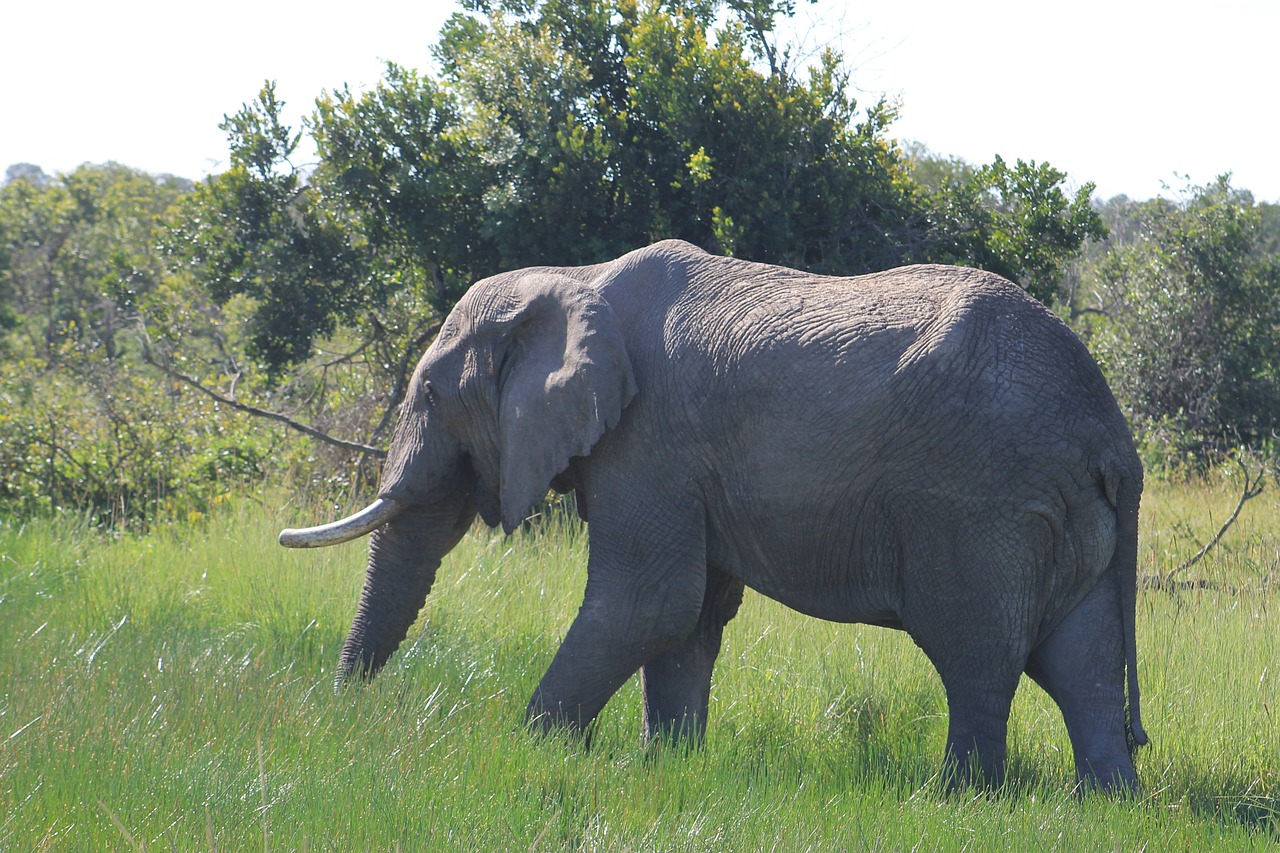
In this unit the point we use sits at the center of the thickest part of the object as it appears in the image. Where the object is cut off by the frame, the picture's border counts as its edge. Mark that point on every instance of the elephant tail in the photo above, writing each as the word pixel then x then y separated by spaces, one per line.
pixel 1128 496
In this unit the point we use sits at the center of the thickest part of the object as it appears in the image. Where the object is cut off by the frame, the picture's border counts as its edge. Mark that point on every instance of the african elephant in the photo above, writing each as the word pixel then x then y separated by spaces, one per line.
pixel 926 448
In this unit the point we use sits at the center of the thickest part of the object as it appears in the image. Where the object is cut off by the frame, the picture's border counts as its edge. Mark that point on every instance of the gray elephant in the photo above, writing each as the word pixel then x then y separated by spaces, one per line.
pixel 926 449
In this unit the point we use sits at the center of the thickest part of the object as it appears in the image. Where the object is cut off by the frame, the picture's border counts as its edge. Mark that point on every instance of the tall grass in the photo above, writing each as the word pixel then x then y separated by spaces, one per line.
pixel 174 692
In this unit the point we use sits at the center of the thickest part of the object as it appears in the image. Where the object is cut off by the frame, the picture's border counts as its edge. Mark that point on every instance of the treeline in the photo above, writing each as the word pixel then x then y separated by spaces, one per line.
pixel 163 341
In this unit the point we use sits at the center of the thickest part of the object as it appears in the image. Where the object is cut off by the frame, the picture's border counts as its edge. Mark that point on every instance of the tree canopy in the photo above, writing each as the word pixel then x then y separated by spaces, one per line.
pixel 571 131
pixel 1189 299
pixel 83 426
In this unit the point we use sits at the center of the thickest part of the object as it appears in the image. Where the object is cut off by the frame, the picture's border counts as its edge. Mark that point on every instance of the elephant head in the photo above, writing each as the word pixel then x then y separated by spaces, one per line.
pixel 528 372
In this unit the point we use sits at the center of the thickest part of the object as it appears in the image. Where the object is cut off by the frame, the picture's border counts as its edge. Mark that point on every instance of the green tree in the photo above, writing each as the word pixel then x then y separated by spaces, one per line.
pixel 563 131
pixel 286 261
pixel 85 425
pixel 1191 335
pixel 257 231
pixel 1017 221
pixel 560 132
pixel 1269 228
pixel 77 249
pixel 571 131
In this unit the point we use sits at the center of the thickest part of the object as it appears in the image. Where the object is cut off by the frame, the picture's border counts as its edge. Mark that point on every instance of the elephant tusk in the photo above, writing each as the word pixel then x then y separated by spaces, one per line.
pixel 365 521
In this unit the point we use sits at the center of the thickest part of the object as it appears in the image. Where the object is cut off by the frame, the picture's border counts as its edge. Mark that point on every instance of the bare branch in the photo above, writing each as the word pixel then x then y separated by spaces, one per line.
pixel 150 358
pixel 1252 488
pixel 348 357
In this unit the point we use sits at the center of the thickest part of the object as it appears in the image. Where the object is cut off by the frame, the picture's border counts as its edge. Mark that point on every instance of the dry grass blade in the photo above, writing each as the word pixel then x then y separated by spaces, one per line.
pixel 120 826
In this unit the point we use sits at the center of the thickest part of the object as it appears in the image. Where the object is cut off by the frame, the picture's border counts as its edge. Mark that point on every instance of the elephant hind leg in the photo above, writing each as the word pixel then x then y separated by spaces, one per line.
pixel 1081 666
pixel 677 683
pixel 973 619
pixel 980 667
pixel 978 723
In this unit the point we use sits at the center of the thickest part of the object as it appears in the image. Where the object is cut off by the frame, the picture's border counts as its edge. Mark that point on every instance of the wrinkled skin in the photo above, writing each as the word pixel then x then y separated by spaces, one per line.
pixel 925 449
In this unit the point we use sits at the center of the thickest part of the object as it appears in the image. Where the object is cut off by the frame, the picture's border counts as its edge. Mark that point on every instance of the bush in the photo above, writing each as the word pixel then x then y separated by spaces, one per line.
pixel 121 446
pixel 1189 338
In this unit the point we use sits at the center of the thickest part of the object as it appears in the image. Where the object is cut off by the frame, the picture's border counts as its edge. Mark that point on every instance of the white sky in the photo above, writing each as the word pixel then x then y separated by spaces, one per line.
pixel 1130 95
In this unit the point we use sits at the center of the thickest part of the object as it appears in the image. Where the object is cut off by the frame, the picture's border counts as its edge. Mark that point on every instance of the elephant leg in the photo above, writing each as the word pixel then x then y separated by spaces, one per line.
pixel 980 673
pixel 973 620
pixel 645 588
pixel 677 683
pixel 1081 666
pixel 978 725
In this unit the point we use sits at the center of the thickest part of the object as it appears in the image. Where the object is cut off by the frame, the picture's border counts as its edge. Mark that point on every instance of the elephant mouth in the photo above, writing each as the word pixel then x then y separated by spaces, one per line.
pixel 354 526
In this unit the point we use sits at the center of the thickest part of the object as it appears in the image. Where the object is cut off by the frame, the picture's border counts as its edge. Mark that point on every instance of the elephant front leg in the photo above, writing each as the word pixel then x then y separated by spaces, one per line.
pixel 591 664
pixel 644 599
pixel 677 683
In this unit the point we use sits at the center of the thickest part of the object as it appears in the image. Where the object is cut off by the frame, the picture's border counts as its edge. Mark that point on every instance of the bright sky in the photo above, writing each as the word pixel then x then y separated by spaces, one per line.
pixel 1130 95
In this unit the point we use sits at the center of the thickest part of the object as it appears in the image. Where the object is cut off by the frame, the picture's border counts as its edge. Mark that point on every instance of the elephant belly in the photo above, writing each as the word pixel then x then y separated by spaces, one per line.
pixel 830 577
pixel 868 606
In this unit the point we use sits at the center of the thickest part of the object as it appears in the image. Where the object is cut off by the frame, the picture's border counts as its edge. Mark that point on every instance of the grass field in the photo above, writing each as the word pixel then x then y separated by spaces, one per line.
pixel 173 691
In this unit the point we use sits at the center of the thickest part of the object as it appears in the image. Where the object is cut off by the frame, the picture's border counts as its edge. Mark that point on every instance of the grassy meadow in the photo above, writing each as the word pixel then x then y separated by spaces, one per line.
pixel 173 691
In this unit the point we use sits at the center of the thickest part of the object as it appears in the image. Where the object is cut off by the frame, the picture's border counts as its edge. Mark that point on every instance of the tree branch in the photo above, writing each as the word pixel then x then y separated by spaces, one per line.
pixel 1081 312
pixel 1252 488
pixel 262 413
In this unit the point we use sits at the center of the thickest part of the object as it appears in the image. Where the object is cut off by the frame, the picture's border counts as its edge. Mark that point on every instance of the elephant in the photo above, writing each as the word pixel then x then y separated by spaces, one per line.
pixel 927 449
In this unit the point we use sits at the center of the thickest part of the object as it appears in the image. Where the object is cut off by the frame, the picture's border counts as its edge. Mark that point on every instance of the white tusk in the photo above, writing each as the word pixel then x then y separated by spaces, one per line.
pixel 365 521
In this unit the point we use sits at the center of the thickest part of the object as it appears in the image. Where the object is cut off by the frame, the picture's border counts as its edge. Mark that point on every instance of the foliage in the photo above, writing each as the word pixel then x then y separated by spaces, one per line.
pixel 1017 220
pixel 552 132
pixel 85 426
pixel 120 446
pixel 254 231
pixel 570 132
pixel 1192 308
pixel 77 250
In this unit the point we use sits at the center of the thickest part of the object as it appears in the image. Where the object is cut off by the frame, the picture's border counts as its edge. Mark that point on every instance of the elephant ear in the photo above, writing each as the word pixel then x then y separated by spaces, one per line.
pixel 564 379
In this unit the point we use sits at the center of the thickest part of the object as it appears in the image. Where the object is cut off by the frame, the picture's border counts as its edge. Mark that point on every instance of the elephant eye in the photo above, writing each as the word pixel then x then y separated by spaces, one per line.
pixel 430 392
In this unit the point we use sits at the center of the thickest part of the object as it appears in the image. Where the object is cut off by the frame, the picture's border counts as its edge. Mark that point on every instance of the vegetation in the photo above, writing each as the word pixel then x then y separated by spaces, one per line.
pixel 173 691
pixel 82 427
pixel 167 668
pixel 1188 296
pixel 571 131
pixel 141 316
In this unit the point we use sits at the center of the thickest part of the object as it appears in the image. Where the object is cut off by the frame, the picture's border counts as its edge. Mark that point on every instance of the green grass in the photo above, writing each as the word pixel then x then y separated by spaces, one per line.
pixel 173 692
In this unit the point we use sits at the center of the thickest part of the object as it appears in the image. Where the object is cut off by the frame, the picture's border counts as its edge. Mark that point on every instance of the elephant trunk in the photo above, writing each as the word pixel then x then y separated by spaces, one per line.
pixel 404 555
